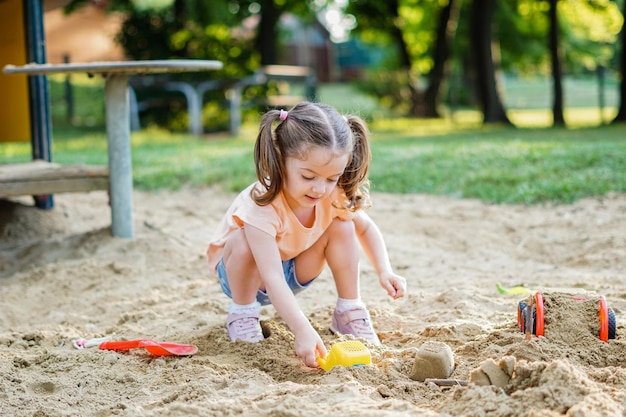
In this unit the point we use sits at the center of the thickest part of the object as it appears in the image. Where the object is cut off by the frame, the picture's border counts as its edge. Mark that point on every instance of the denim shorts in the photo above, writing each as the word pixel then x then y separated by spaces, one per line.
pixel 289 270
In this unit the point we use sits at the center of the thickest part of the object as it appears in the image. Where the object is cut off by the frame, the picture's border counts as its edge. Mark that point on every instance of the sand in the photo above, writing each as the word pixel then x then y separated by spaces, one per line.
pixel 63 277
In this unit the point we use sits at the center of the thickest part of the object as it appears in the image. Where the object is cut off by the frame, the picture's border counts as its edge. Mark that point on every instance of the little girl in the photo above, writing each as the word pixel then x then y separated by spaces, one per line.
pixel 305 211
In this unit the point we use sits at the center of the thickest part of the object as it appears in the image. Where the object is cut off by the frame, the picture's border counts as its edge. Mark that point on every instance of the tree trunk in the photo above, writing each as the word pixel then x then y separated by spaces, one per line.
pixel 396 34
pixel 417 99
pixel 266 37
pixel 555 56
pixel 481 39
pixel 446 29
pixel 621 113
pixel 179 22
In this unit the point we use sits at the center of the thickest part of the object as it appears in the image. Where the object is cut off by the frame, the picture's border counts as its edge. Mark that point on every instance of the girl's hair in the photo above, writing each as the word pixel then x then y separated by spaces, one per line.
pixel 305 126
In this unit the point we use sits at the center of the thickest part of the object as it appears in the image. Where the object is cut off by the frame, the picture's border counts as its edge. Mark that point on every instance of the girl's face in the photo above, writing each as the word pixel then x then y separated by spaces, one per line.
pixel 313 178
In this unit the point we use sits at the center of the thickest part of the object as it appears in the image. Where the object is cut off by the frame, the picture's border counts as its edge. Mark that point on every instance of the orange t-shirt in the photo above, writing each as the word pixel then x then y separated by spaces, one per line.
pixel 278 220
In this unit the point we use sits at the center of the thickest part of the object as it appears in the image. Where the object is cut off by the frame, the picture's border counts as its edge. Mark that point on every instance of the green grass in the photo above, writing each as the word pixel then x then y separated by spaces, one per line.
pixel 578 91
pixel 454 156
pixel 503 165
pixel 88 97
pixel 160 159
pixel 496 164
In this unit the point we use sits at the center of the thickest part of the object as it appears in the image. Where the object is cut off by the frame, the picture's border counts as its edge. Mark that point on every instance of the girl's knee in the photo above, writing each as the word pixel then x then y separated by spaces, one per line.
pixel 341 229
pixel 237 246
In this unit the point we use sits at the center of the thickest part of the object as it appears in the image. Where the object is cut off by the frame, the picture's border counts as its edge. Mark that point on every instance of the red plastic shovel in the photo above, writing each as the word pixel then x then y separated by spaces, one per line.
pixel 152 346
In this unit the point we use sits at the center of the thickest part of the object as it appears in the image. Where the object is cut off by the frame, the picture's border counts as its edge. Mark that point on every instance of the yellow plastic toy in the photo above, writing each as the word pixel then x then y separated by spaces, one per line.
pixel 348 353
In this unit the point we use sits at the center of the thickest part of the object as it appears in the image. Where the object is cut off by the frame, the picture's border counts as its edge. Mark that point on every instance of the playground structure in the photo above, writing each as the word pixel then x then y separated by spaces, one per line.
pixel 25 114
pixel 22 42
pixel 285 75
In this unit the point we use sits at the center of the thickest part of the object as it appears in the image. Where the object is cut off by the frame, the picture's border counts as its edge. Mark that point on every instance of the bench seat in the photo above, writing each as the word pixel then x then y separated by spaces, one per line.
pixel 45 178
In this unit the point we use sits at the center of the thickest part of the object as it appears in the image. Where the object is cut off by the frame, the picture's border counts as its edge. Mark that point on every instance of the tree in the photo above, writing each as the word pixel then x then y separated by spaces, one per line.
pixel 197 28
pixel 621 113
pixel 555 57
pixel 481 24
pixel 423 33
pixel 383 16
pixel 268 14
pixel 446 29
pixel 266 40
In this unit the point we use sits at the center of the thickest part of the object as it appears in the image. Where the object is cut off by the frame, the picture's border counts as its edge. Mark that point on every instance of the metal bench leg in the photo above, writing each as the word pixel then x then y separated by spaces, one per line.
pixel 194 104
pixel 120 163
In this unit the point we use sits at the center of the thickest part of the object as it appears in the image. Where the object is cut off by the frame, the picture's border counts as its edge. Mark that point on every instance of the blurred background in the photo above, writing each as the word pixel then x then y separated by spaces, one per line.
pixel 507 101
pixel 515 62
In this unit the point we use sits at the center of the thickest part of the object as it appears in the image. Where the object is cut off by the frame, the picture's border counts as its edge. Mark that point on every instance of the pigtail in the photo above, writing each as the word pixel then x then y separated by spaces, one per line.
pixel 268 160
pixel 354 181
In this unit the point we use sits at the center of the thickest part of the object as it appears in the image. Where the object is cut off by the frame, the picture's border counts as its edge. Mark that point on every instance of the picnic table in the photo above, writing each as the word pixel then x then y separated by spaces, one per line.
pixel 116 75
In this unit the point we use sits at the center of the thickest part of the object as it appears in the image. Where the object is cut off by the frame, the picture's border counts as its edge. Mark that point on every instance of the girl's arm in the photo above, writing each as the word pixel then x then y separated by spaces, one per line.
pixel 308 344
pixel 373 244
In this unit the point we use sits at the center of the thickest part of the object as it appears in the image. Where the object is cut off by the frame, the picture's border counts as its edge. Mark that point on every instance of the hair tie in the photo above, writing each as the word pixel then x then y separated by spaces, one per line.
pixel 283 115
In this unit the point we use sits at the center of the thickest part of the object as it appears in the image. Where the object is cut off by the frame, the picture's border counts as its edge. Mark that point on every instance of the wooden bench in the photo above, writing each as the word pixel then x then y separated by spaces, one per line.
pixel 45 178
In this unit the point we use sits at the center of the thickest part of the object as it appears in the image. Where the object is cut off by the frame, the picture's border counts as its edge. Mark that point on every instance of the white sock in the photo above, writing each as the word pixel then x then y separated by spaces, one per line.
pixel 345 304
pixel 235 308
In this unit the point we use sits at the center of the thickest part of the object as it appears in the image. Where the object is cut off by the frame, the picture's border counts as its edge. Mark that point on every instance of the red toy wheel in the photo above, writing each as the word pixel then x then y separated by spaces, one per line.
pixel 612 324
pixel 608 326
pixel 521 316
pixel 539 319
pixel 604 320
pixel 522 321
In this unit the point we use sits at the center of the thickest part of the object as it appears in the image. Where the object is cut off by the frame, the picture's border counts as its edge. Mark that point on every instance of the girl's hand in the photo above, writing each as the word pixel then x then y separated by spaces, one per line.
pixel 309 346
pixel 394 284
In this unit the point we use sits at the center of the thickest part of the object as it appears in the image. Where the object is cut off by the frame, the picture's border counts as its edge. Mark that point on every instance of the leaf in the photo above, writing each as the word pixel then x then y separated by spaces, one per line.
pixel 517 290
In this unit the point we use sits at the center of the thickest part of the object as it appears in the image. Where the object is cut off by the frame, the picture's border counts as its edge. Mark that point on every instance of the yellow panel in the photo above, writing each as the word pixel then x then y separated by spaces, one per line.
pixel 14 113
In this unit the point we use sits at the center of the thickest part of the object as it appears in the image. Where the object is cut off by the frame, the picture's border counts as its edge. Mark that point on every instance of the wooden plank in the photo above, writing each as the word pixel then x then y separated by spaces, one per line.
pixel 9 171
pixel 48 170
pixel 43 187
pixel 44 178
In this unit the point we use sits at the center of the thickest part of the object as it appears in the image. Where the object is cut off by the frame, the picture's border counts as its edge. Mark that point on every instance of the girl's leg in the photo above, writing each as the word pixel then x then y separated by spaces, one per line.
pixel 243 277
pixel 339 247
pixel 244 281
